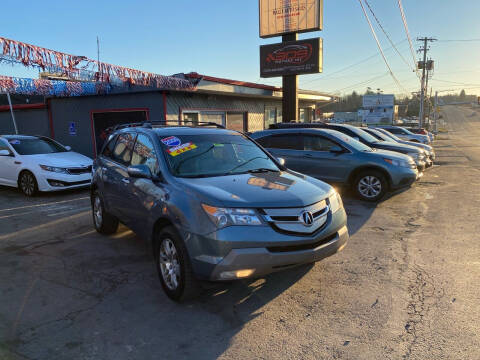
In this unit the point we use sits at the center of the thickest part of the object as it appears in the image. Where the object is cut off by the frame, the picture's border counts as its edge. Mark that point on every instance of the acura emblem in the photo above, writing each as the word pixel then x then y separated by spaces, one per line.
pixel 306 218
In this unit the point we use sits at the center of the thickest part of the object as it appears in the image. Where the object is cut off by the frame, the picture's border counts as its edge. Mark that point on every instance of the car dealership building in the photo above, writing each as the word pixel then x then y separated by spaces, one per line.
pixel 81 121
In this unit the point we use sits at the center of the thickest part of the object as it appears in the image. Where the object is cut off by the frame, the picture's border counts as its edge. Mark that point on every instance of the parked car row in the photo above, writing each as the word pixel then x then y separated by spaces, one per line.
pixel 365 159
pixel 219 205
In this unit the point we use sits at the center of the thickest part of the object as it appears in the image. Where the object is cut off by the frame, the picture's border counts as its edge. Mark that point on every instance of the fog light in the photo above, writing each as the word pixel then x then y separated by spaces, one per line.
pixel 237 274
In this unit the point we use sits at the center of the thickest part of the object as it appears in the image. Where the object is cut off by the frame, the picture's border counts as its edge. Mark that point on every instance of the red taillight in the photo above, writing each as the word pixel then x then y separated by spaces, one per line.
pixel 423 132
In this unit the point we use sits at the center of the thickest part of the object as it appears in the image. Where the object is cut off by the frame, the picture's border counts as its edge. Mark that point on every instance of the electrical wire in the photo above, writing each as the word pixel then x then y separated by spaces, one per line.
pixel 405 25
pixel 365 82
pixel 387 36
pixel 380 48
pixel 352 65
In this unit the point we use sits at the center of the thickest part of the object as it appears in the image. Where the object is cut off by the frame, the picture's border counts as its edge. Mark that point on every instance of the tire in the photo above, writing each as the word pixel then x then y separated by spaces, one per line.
pixel 27 183
pixel 104 223
pixel 370 185
pixel 173 265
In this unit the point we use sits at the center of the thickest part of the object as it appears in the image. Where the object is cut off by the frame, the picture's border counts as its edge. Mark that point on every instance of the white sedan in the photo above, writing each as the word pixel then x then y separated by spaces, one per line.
pixel 37 163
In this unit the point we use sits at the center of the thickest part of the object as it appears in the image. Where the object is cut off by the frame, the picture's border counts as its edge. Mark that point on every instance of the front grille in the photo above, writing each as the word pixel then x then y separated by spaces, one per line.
pixel 302 247
pixel 80 170
pixel 290 220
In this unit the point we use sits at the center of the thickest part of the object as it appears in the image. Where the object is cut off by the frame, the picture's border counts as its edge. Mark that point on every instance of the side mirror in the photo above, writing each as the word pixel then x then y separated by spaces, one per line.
pixel 68 148
pixel 337 150
pixel 139 172
pixel 5 153
pixel 281 161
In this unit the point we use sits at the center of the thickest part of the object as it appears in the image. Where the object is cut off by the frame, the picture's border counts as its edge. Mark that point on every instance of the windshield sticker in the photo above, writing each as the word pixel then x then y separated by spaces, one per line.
pixel 177 150
pixel 172 141
pixel 14 142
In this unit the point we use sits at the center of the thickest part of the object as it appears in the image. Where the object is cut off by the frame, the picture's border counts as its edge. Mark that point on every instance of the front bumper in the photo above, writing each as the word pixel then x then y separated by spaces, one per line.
pixel 403 177
pixel 260 250
pixel 50 181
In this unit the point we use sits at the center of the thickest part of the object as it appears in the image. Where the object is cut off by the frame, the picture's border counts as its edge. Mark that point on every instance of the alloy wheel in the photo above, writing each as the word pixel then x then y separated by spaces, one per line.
pixel 370 186
pixel 27 183
pixel 169 264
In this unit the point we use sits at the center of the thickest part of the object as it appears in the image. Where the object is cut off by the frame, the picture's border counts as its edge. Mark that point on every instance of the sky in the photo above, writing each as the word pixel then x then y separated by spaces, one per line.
pixel 221 38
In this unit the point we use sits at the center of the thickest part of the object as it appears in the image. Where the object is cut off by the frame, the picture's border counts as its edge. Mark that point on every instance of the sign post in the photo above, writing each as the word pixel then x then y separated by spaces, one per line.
pixel 288 18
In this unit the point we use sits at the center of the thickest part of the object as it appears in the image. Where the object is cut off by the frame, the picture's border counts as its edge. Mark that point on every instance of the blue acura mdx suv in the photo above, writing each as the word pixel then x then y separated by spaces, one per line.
pixel 212 205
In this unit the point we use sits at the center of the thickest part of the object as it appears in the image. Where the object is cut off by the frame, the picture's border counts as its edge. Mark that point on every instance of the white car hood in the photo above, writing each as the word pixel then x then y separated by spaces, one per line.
pixel 62 159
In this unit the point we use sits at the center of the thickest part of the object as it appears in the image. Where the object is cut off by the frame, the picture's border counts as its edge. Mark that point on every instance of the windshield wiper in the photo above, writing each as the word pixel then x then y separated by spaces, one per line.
pixel 246 162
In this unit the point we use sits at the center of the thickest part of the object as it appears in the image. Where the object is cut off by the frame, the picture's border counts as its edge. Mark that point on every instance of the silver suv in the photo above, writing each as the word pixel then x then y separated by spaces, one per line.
pixel 212 205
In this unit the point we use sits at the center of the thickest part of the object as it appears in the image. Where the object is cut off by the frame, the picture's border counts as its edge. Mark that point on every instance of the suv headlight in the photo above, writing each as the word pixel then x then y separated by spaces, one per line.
pixel 401 163
pixel 223 217
pixel 54 169
pixel 336 202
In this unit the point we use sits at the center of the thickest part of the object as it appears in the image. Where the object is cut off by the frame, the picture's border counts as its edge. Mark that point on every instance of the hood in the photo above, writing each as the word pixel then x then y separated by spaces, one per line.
pixel 62 159
pixel 283 189
pixel 388 145
pixel 394 155
pixel 417 145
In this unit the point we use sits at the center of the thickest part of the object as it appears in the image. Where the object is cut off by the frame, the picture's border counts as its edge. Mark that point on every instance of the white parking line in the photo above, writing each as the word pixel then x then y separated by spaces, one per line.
pixel 45 204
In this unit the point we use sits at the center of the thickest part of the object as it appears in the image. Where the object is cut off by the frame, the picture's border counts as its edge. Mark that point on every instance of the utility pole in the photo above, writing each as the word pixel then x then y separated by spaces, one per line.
pixel 425 49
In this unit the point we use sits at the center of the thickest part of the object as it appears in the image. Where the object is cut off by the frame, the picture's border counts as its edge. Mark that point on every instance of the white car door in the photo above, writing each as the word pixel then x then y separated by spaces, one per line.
pixel 9 165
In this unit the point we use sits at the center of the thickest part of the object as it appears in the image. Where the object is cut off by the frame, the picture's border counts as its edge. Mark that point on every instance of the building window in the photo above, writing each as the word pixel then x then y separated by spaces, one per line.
pixel 236 121
pixel 301 117
pixel 270 116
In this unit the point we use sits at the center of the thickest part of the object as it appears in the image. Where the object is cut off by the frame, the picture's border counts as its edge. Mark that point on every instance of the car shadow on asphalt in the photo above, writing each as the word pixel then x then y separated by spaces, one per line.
pixel 358 211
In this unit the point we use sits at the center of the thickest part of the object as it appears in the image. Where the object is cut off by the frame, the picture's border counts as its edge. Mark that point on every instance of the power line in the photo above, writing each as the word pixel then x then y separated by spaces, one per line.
pixel 459 40
pixel 365 82
pixel 380 47
pixel 352 65
pixel 387 36
pixel 455 82
pixel 405 25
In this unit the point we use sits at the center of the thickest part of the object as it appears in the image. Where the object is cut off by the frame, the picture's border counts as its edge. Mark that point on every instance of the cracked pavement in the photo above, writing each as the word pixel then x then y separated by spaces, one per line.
pixel 405 287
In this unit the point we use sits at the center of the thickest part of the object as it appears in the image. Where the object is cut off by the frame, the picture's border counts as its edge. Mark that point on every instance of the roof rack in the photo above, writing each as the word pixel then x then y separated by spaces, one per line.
pixel 296 125
pixel 150 124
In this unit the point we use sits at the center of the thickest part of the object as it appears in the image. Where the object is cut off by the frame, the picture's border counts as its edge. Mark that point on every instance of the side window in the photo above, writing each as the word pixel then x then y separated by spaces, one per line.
pixel 122 153
pixel 395 131
pixel 144 153
pixel 264 141
pixel 318 143
pixel 291 141
pixel 108 150
pixel 4 146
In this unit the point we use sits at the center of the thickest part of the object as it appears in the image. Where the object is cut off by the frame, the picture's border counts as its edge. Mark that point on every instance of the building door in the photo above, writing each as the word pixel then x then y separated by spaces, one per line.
pixel 237 121
pixel 105 121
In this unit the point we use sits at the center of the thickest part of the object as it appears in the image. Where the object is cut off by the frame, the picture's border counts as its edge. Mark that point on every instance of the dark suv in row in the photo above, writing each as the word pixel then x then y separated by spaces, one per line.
pixel 212 205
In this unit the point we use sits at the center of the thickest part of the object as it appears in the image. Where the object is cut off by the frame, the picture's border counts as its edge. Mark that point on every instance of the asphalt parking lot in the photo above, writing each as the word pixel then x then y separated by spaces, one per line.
pixel 406 285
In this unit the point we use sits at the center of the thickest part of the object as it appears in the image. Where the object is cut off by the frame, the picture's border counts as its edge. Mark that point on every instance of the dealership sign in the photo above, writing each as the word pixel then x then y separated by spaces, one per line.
pixel 378 100
pixel 278 17
pixel 291 58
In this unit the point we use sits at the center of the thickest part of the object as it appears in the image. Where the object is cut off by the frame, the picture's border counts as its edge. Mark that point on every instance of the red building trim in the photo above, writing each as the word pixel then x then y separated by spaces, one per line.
pixel 23 107
pixel 92 125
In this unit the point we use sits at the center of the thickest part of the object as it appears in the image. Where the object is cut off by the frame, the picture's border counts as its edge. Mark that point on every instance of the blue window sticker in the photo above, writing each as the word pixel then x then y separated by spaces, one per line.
pixel 14 142
pixel 171 141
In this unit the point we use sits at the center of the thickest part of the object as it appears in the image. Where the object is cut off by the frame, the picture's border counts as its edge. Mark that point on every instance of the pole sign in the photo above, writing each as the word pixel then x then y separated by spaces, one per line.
pixel 279 17
pixel 291 58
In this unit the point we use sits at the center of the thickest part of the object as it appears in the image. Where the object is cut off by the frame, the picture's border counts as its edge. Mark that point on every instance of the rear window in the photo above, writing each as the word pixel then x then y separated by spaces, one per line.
pixel 290 141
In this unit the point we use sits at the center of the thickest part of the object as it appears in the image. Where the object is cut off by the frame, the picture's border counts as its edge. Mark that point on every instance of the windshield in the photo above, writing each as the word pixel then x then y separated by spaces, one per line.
pixel 355 144
pixel 379 134
pixel 364 135
pixel 389 134
pixel 35 146
pixel 214 155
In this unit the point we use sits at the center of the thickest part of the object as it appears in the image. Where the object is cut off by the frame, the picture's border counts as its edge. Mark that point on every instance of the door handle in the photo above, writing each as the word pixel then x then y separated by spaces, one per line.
pixel 308 155
pixel 125 181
